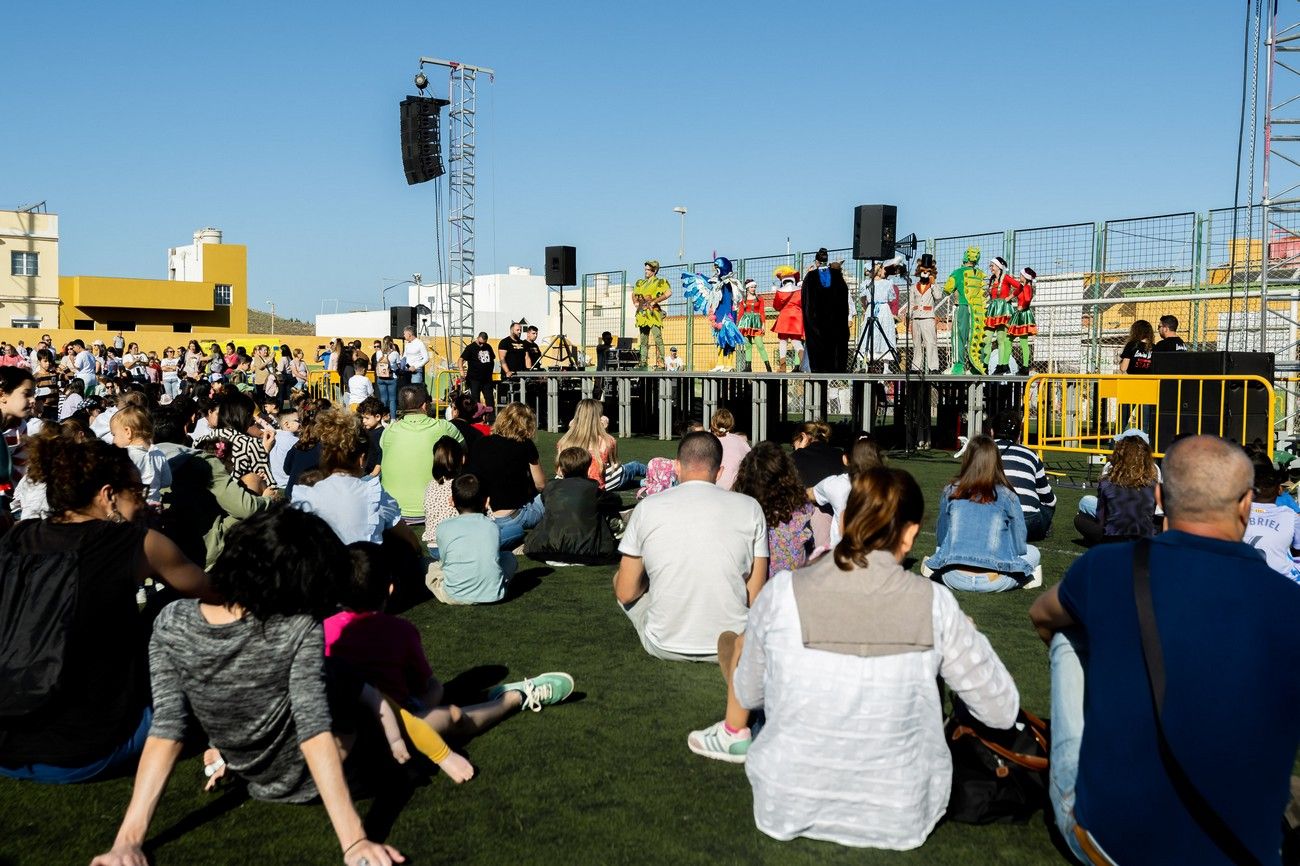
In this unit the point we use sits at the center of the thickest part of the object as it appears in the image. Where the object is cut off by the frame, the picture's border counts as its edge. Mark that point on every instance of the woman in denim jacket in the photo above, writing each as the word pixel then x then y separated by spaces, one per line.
pixel 981 530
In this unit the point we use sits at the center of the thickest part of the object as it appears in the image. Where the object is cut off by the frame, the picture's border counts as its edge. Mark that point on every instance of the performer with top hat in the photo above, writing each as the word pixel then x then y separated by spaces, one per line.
pixel 789 319
pixel 825 298
pixel 753 311
pixel 1023 326
pixel 920 317
pixel 967 285
pixel 649 295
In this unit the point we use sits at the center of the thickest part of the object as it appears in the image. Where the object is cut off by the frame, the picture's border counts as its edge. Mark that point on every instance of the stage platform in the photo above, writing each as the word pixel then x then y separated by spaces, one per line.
pixel 901 408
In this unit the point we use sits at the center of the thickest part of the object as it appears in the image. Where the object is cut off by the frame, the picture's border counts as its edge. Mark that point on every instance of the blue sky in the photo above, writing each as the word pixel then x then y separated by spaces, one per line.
pixel 140 122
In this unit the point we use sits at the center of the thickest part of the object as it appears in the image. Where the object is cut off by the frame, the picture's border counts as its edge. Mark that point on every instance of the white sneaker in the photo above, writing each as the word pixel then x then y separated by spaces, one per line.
pixel 1035 581
pixel 714 742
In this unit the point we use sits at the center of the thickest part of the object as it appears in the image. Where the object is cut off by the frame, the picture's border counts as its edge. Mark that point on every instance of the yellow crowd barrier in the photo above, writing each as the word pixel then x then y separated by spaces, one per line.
pixel 1083 413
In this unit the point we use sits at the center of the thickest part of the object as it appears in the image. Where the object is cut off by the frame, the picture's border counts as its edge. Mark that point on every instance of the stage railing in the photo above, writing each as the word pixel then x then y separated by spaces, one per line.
pixel 1083 413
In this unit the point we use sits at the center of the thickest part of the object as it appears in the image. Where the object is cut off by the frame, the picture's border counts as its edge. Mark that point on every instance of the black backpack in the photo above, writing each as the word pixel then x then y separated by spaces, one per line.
pixel 38 600
pixel 997 776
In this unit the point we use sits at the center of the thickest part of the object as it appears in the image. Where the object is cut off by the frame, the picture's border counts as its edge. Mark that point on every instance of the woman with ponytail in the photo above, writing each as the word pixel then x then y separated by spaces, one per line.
pixel 843 656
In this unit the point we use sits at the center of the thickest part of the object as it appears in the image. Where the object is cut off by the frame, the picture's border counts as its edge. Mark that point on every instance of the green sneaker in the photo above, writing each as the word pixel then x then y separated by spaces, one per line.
pixel 714 742
pixel 539 691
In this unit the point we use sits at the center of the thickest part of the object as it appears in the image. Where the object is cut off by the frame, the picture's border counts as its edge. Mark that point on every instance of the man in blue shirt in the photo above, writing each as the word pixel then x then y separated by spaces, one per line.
pixel 1226 625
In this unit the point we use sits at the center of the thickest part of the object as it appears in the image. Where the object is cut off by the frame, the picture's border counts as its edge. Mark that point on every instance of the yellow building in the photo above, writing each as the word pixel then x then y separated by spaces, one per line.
pixel 206 290
pixel 29 291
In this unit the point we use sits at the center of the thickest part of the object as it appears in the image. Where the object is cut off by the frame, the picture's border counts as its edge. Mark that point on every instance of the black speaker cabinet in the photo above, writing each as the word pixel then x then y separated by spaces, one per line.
pixel 561 266
pixel 1199 406
pixel 399 319
pixel 1213 364
pixel 874 227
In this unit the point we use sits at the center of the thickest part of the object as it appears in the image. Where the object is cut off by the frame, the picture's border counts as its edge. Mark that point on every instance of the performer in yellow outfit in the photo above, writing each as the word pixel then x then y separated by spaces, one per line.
pixel 649 295
pixel 968 319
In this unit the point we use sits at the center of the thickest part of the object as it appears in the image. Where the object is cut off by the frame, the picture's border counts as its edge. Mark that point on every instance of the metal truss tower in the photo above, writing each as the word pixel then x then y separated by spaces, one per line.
pixel 462 147
pixel 1281 154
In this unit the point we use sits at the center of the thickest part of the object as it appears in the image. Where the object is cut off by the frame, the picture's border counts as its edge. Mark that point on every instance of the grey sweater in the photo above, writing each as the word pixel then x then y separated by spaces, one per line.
pixel 257 689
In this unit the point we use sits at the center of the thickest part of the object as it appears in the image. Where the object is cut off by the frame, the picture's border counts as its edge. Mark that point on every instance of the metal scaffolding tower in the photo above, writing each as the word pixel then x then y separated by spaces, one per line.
pixel 1281 154
pixel 462 91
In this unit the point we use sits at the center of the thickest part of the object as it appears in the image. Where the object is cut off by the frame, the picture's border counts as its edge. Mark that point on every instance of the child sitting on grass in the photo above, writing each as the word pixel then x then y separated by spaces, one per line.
pixel 575 527
pixel 472 568
pixel 1274 529
pixel 448 462
pixel 386 652
pixel 132 429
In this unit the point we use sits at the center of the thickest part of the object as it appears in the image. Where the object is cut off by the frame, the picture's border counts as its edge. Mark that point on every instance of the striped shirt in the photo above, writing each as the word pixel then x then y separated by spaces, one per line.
pixel 1026 473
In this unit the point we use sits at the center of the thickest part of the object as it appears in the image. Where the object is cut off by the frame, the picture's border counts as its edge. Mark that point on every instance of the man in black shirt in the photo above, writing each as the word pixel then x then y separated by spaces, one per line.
pixel 476 364
pixel 513 355
pixel 534 351
pixel 1169 339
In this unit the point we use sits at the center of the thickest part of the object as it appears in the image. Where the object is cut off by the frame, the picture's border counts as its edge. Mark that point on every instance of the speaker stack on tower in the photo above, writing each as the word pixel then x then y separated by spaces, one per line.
pixel 561 266
pixel 1198 406
pixel 422 138
pixel 399 319
pixel 874 228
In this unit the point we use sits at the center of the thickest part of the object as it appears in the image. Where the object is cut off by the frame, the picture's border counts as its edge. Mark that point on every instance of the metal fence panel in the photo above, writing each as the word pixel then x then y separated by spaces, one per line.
pixel 603 305
pixel 1062 256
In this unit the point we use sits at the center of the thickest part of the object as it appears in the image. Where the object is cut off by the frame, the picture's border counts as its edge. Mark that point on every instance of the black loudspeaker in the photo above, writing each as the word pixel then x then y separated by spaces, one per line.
pixel 422 138
pixel 561 266
pixel 399 319
pixel 874 226
pixel 1242 407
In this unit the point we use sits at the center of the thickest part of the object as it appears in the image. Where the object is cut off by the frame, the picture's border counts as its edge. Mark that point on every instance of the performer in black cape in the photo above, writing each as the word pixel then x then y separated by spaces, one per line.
pixel 825 298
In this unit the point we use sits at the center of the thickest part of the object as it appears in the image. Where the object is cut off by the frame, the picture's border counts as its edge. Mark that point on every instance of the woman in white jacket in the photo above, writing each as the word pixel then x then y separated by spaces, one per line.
pixel 843 659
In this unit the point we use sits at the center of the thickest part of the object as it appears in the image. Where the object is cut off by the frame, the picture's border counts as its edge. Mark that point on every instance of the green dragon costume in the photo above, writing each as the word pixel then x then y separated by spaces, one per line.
pixel 968 321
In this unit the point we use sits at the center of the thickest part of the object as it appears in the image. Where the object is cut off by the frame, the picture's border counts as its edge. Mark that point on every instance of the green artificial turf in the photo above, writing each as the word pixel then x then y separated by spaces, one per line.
pixel 605 778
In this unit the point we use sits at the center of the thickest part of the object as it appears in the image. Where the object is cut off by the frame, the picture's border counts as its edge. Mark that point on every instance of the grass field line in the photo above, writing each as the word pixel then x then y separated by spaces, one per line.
pixel 1075 553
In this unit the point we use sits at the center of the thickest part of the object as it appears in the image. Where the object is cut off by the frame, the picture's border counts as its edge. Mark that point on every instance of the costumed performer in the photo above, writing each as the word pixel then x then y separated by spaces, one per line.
pixel 716 299
pixel 789 318
pixel 1001 289
pixel 825 298
pixel 649 295
pixel 920 317
pixel 753 313
pixel 1023 326
pixel 967 282
pixel 879 298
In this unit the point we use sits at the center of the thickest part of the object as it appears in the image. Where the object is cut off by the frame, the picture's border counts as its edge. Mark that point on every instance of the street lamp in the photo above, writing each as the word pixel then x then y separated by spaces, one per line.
pixel 681 250
pixel 383 297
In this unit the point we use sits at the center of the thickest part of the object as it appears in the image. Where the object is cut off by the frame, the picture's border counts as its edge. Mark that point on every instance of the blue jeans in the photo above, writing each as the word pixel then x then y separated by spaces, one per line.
pixel 1067 735
pixel 122 757
pixel 388 394
pixel 633 474
pixel 980 581
pixel 514 525
pixel 1088 506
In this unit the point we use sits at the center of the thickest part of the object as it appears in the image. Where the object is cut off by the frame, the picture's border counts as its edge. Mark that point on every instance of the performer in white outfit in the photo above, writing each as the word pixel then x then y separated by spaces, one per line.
pixel 885 343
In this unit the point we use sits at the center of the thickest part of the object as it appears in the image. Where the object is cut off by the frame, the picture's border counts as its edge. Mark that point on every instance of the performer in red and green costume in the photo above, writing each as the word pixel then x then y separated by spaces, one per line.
pixel 1002 288
pixel 968 321
pixel 1023 326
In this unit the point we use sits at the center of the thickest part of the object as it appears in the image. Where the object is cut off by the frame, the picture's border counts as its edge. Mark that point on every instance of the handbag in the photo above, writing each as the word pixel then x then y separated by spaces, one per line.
pixel 998 776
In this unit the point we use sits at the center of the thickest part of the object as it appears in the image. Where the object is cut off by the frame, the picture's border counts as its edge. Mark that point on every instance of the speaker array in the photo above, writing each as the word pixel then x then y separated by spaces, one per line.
pixel 422 138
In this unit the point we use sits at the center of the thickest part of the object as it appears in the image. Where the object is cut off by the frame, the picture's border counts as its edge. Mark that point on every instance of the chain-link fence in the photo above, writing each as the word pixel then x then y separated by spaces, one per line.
pixel 1094 280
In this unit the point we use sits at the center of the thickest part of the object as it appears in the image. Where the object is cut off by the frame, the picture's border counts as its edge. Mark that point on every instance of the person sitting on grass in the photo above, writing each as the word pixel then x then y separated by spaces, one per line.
pixel 372 412
pixel 471 567
pixel 768 474
pixel 575 528
pixel 1274 529
pixel 386 652
pixel 694 559
pixel 833 490
pixel 734 445
pixel 981 528
pixel 1026 473
pixel 842 656
pixel 587 431
pixel 1128 496
pixel 448 463
pixel 250 671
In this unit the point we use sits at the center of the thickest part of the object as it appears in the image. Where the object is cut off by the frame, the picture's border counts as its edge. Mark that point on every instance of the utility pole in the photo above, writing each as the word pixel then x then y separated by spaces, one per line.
pixel 271 304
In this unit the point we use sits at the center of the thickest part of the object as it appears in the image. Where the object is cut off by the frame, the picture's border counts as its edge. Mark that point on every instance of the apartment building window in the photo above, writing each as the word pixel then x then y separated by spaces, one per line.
pixel 24 323
pixel 221 295
pixel 24 264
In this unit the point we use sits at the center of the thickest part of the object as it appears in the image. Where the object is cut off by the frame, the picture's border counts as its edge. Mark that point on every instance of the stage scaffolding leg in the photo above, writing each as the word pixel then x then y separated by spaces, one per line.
pixel 814 400
pixel 758 400
pixel 624 408
pixel 974 409
pixel 709 391
pixel 588 385
pixel 553 405
pixel 666 410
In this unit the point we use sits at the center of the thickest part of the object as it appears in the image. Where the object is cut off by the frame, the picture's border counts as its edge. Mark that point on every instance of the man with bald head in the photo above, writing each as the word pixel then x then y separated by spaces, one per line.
pixel 1226 625
pixel 694 558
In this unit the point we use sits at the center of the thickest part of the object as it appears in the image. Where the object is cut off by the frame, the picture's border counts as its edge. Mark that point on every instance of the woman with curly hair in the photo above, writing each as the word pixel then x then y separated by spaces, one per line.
pixel 768 474
pixel 250 670
pixel 95 551
pixel 356 507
